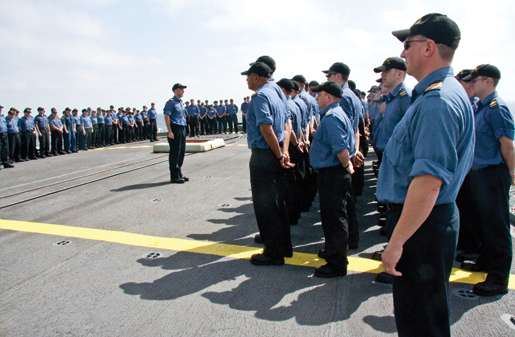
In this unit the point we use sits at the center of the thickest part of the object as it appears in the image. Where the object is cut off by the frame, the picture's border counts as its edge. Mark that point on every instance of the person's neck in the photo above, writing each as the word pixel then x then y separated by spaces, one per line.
pixel 486 93
pixel 393 86
pixel 430 68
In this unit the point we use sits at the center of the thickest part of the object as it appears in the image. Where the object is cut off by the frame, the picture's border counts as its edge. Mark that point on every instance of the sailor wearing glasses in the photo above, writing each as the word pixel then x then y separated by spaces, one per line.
pixel 424 164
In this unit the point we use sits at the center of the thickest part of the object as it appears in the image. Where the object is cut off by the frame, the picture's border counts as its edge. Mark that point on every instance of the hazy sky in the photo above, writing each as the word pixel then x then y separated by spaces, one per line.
pixel 100 52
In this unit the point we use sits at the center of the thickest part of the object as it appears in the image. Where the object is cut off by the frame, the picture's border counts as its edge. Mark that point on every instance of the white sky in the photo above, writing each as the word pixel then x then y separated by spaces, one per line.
pixel 101 52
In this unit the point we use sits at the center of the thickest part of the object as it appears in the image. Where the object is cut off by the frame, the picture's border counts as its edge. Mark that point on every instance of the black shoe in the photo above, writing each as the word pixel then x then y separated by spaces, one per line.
pixel 258 239
pixel 472 266
pixel 326 271
pixel 487 288
pixel 353 245
pixel 462 257
pixel 381 222
pixel 185 178
pixel 263 260
pixel 384 278
pixel 177 181
pixel 8 165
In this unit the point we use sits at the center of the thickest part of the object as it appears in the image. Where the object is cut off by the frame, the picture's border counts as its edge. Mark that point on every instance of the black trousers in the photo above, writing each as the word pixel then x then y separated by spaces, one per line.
pixel 28 145
pixel 469 240
pixel 109 135
pixel 490 195
pixel 57 142
pixel 14 146
pixel 177 151
pixel 420 294
pixel 94 136
pixel 194 126
pixel 153 130
pixel 88 138
pixel 334 188
pixel 116 134
pixel 44 143
pixel 4 148
pixel 204 126
pixel 295 177
pixel 244 122
pixel 233 123
pixel 269 184
pixel 101 141
pixel 213 126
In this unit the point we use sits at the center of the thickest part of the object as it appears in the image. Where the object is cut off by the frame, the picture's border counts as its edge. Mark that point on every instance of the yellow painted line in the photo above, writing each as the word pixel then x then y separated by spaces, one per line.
pixel 356 264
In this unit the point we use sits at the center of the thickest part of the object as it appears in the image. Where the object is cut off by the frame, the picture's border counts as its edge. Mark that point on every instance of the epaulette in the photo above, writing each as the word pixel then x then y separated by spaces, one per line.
pixel 403 92
pixel 493 103
pixel 434 86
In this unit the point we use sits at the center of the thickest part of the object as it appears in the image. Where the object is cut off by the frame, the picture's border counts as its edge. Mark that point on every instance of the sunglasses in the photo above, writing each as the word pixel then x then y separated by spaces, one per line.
pixel 329 74
pixel 407 43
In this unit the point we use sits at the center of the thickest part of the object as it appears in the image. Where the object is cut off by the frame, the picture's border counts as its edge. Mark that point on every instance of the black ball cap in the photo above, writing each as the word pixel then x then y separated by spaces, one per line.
pixel 27 110
pixel 178 86
pixel 331 88
pixel 379 80
pixel 41 109
pixel 437 27
pixel 391 63
pixel 286 84
pixel 299 78
pixel 269 61
pixel 464 75
pixel 260 69
pixel 313 84
pixel 338 68
pixel 374 88
pixel 487 70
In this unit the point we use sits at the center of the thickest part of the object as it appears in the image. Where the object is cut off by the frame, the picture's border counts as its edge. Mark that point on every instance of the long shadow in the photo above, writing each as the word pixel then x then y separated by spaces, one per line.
pixel 140 186
pixel 266 290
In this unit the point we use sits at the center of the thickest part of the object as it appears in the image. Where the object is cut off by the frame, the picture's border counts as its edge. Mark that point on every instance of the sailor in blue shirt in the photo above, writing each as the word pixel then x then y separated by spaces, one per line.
pixel 204 127
pixel 175 120
pixel 100 137
pixel 109 127
pixel 268 180
pixel 13 135
pixel 79 130
pixel 152 120
pixel 393 73
pixel 87 126
pixel 492 174
pixel 42 132
pixel 94 122
pixel 244 108
pixel 220 116
pixel 28 135
pixel 232 110
pixel 56 131
pixel 116 125
pixel 330 154
pixel 424 165
pixel 4 141
pixel 211 115
pixel 193 114
pixel 70 131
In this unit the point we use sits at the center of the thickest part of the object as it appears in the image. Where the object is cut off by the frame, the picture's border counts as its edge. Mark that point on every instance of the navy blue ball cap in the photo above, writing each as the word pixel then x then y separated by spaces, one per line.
pixel 178 86
pixel 486 70
pixel 268 60
pixel 437 27
pixel 464 75
pixel 331 88
pixel 338 68
pixel 260 69
pixel 299 78
pixel 286 84
pixel 391 63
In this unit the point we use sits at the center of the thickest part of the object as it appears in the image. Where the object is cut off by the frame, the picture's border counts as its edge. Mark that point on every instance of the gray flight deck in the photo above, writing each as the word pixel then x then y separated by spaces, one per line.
pixel 97 288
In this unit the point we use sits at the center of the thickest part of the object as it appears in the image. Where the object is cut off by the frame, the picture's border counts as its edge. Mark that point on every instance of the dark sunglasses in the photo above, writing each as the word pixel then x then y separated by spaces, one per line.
pixel 407 43
pixel 329 74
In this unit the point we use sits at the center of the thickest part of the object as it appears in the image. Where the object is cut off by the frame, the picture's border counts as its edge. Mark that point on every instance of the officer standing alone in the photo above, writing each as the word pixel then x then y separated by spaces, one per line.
pixel 175 120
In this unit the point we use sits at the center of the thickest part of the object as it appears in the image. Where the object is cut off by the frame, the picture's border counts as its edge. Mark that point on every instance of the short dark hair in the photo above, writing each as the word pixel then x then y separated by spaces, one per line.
pixel 445 52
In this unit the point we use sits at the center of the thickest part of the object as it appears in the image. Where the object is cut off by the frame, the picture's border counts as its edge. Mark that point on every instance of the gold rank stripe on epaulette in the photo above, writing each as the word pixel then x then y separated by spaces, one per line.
pixel 434 86
pixel 403 93
pixel 493 103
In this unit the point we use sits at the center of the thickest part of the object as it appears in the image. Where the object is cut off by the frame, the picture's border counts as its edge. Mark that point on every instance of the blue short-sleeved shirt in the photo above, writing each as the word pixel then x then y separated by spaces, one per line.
pixel 232 109
pixel 138 118
pixel 397 102
pixel 175 110
pixel 193 110
pixel 56 122
pixel 41 121
pixel 101 119
pixel 94 120
pixel 131 119
pixel 334 135
pixel 69 121
pixel 266 108
pixel 295 116
pixel 152 114
pixel 3 124
pixel 435 137
pixel 220 110
pixel 493 121
pixel 303 108
pixel 114 116
pixel 12 124
pixel 86 121
pixel 78 121
pixel 244 107
pixel 351 105
pixel 125 120
pixel 211 112
pixel 203 111
pixel 109 119
pixel 26 124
